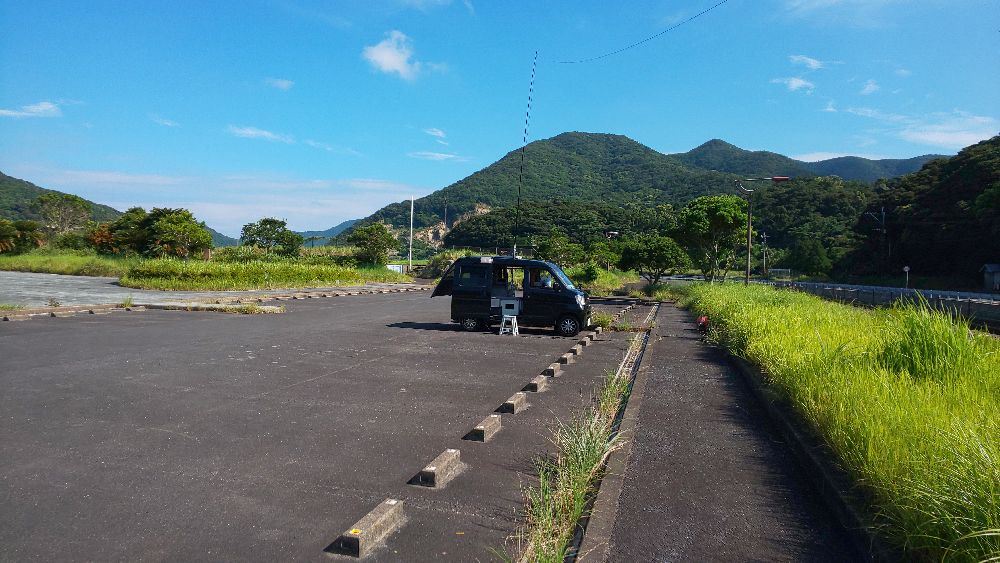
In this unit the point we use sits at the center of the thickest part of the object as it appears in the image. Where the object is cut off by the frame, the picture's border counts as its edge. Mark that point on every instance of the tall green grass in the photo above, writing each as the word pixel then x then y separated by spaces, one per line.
pixel 599 281
pixel 567 481
pixel 168 274
pixel 907 398
pixel 66 263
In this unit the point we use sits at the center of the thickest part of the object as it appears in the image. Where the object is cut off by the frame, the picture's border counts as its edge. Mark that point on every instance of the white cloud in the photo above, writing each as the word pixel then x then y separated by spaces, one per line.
pixel 954 130
pixel 438 135
pixel 438 156
pixel 105 177
pixel 830 108
pixel 279 83
pixel 393 55
pixel 795 84
pixel 903 72
pixel 255 133
pixel 861 13
pixel 810 63
pixel 163 121
pixel 870 87
pixel 41 109
pixel 330 148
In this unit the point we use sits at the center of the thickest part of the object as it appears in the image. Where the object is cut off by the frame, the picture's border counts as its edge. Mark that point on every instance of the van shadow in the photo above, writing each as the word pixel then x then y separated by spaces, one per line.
pixel 453 327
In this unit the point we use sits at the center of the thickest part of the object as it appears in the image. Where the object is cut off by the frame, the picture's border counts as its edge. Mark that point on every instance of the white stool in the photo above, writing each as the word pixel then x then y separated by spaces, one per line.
pixel 509 325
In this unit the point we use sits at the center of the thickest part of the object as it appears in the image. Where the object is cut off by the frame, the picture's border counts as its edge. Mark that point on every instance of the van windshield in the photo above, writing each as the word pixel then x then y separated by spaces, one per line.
pixel 563 278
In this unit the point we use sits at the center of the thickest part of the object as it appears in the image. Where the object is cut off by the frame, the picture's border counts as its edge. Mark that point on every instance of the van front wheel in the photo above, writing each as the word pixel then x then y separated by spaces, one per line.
pixel 470 324
pixel 568 326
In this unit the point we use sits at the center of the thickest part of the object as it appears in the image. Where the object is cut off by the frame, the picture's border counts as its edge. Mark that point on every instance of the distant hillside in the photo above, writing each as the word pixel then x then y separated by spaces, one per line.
pixel 569 167
pixel 944 219
pixel 16 197
pixel 329 233
pixel 866 170
pixel 724 157
pixel 615 170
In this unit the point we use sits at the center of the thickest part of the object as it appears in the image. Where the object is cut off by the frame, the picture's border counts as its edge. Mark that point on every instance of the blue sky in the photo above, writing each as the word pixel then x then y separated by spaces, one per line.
pixel 317 112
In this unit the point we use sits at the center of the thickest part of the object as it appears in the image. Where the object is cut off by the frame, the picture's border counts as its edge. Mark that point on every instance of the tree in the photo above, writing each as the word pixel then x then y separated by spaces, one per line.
pixel 653 256
pixel 17 237
pixel 808 256
pixel 374 242
pixel 175 232
pixel 712 227
pixel 557 248
pixel 161 232
pixel 272 234
pixel 605 253
pixel 61 212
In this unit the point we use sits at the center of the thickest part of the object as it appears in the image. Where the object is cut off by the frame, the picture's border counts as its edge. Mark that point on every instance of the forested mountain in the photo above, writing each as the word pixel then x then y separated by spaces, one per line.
pixel 577 167
pixel 724 157
pixel 16 197
pixel 942 220
pixel 615 170
pixel 328 234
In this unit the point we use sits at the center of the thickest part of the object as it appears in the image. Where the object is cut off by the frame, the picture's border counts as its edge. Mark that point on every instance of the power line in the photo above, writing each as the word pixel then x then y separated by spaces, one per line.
pixel 650 38
pixel 524 143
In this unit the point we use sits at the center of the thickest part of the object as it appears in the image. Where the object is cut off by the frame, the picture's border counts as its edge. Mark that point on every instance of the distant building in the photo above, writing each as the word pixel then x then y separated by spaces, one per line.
pixel 991 277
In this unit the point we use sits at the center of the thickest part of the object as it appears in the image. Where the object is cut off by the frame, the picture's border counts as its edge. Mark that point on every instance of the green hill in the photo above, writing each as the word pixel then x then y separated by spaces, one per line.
pixel 16 197
pixel 328 234
pixel 724 157
pixel 867 170
pixel 580 167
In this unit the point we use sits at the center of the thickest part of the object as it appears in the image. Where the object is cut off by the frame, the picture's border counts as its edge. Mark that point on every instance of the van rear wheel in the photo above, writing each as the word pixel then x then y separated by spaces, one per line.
pixel 568 325
pixel 471 324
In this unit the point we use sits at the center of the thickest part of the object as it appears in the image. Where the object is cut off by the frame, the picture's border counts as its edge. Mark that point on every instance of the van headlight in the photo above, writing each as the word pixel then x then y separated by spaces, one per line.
pixel 581 301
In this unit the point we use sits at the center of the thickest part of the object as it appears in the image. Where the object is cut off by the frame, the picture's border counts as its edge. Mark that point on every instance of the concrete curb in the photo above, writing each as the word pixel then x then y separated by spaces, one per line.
pixel 537 384
pixel 27 314
pixel 837 489
pixel 439 471
pixel 554 370
pixel 604 512
pixel 515 404
pixel 485 429
pixel 366 534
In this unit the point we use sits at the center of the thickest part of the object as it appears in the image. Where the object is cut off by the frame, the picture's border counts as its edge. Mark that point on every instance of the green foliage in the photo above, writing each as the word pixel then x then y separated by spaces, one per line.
pixel 712 227
pixel 556 247
pixel 172 274
pixel 272 235
pixel 159 233
pixel 595 280
pixel 18 237
pixel 943 219
pixel 653 256
pixel 906 399
pixel 61 212
pixel 75 263
pixel 373 243
pixel 808 256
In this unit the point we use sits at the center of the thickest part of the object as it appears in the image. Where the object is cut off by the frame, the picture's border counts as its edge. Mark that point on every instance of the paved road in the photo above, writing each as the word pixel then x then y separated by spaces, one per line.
pixel 171 435
pixel 708 479
pixel 35 290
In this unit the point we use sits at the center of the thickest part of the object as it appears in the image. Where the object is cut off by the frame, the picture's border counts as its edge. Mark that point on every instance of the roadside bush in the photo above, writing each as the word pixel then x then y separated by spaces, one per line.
pixel 70 241
pixel 440 262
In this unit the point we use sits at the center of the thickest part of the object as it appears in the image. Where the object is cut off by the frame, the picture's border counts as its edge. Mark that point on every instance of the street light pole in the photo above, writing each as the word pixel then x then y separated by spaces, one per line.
pixel 749 193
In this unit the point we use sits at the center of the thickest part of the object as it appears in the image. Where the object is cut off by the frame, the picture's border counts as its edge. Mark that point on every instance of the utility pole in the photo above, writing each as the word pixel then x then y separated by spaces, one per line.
pixel 763 240
pixel 410 259
pixel 749 194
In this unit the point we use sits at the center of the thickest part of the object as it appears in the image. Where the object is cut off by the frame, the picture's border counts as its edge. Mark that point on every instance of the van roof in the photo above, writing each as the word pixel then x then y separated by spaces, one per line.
pixel 506 261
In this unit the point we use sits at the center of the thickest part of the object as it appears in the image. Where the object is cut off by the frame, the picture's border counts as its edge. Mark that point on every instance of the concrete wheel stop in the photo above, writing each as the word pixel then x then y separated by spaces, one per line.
pixel 485 429
pixel 438 472
pixel 515 404
pixel 366 534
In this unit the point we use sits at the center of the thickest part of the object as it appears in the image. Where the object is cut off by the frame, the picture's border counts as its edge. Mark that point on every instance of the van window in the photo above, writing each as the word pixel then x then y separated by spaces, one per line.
pixel 473 276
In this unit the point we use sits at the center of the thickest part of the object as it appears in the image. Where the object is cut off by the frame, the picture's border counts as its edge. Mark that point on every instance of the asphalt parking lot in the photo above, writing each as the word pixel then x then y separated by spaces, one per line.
pixel 171 435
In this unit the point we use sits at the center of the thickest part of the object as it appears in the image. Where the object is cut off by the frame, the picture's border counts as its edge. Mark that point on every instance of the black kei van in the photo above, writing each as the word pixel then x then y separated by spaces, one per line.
pixel 539 291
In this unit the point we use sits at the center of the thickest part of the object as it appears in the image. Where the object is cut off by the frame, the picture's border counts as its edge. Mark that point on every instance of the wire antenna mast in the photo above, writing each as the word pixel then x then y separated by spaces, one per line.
pixel 524 143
